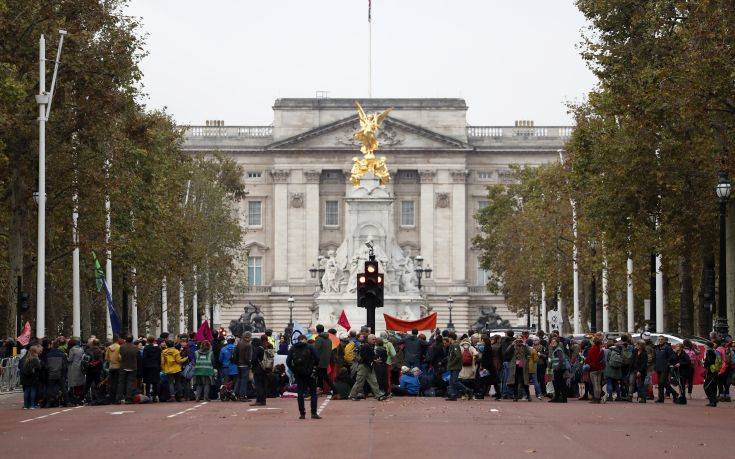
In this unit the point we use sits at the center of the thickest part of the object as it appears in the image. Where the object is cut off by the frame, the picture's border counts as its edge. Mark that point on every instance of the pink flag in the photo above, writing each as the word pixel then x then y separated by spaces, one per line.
pixel 343 321
pixel 25 335
pixel 204 333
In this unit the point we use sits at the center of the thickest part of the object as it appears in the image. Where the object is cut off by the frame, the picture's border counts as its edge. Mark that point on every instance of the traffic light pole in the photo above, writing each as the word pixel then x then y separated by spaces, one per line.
pixel 371 318
pixel 18 305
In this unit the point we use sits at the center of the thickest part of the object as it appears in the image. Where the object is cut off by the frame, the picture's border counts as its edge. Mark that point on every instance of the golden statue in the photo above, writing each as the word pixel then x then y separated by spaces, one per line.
pixel 367 135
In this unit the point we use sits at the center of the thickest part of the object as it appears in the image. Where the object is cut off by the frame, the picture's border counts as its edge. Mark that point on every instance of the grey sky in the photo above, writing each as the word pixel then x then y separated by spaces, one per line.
pixel 230 59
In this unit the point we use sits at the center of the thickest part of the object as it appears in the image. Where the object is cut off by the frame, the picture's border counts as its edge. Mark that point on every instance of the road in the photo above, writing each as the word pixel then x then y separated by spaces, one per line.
pixel 400 427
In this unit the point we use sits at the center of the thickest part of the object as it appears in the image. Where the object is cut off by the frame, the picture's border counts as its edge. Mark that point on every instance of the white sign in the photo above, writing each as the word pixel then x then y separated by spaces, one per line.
pixel 554 320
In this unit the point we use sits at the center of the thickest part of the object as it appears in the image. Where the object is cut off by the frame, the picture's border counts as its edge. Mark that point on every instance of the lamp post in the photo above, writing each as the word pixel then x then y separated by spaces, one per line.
pixel 290 312
pixel 421 271
pixel 317 269
pixel 450 305
pixel 723 194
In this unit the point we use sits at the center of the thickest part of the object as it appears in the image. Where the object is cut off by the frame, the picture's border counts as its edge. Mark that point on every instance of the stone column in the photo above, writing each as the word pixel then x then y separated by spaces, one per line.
pixel 459 228
pixel 426 220
pixel 280 228
pixel 311 178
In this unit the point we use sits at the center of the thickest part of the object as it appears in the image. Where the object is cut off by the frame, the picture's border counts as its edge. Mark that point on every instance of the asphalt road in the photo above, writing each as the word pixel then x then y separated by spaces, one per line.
pixel 400 427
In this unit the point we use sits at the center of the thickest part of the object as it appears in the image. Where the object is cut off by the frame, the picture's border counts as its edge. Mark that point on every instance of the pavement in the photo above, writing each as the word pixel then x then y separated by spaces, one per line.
pixel 399 427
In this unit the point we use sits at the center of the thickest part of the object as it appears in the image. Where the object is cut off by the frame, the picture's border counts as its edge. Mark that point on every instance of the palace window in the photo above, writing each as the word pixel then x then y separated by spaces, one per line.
pixel 407 176
pixel 331 213
pixel 255 174
pixel 482 274
pixel 484 175
pixel 255 270
pixel 407 214
pixel 482 204
pixel 254 213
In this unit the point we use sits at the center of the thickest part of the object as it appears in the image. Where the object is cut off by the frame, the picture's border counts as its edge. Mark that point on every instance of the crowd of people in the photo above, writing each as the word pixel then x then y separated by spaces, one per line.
pixel 358 364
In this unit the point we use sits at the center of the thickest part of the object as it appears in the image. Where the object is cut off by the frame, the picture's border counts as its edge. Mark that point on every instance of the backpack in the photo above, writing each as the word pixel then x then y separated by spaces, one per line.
pixel 55 368
pixel 267 361
pixel 730 357
pixel 717 366
pixel 302 361
pixel 627 356
pixel 26 370
pixel 467 358
pixel 615 360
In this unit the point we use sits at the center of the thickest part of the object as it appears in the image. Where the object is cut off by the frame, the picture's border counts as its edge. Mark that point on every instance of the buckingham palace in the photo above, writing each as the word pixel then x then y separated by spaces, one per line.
pixel 297 210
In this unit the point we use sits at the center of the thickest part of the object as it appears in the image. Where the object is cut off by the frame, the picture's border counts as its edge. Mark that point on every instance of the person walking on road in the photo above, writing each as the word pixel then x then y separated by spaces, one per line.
pixel 302 359
pixel 595 359
pixel 518 370
pixel 151 368
pixel 712 365
pixel 681 366
pixel 640 370
pixel 323 348
pixel 171 361
pixel 365 372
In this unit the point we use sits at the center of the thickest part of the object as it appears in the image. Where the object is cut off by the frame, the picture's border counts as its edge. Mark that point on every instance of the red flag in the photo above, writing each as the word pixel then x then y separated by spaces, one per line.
pixel 25 335
pixel 424 323
pixel 343 321
pixel 204 333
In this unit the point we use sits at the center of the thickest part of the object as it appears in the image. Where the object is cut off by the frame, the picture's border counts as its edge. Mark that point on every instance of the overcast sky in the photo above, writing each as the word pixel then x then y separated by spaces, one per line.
pixel 230 59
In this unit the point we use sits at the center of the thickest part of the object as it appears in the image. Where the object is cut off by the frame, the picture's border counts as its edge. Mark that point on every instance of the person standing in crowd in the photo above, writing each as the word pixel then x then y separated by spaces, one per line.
pixel 244 356
pixel 128 367
pixel 469 356
pixel 30 377
pixel 151 368
pixel 640 370
pixel 488 370
pixel 712 364
pixel 323 348
pixel 518 370
pixel 723 385
pixel 681 366
pixel 391 354
pixel 203 371
pixel 380 366
pixel 259 376
pixel 506 349
pixel 302 360
pixel 228 366
pixel 696 368
pixel 365 372
pixel 56 371
pixel 412 349
pixel 93 357
pixel 454 366
pixel 662 355
pixel 533 367
pixel 171 361
pixel 595 359
pixel 75 375
pixel 112 358
pixel 558 366
pixel 614 371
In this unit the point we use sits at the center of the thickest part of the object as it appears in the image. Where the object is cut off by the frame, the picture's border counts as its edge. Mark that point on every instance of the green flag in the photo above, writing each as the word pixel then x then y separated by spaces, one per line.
pixel 99 275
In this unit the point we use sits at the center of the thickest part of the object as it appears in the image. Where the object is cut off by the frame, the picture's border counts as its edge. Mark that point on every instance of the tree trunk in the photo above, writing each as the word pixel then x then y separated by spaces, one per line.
pixel 705 294
pixel 15 252
pixel 686 300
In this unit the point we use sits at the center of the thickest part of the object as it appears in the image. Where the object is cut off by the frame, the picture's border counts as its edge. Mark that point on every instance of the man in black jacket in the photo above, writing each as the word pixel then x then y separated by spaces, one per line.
pixel 365 372
pixel 662 354
pixel 301 360
pixel 323 348
pixel 412 349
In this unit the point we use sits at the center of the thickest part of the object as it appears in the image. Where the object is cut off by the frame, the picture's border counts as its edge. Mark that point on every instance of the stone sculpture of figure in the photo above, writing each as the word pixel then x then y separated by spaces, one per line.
pixel 258 323
pixel 408 276
pixel 330 279
pixel 489 320
pixel 250 320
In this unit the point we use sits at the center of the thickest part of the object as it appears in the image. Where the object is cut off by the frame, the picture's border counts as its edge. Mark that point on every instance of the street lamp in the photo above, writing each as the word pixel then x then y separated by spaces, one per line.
pixel 318 269
pixel 723 194
pixel 291 301
pixel 420 270
pixel 450 305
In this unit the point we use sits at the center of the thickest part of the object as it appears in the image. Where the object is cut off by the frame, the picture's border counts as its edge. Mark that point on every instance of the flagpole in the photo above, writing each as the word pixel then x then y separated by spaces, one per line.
pixel 108 261
pixel 194 302
pixel 164 306
pixel 182 310
pixel 370 50
pixel 76 308
pixel 134 305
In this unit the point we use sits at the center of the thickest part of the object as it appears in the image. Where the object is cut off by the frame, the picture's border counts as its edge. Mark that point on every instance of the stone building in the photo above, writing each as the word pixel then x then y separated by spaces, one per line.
pixel 297 175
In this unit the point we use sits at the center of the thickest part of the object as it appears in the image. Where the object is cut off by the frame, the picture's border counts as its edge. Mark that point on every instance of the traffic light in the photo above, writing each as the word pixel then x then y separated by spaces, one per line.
pixel 370 286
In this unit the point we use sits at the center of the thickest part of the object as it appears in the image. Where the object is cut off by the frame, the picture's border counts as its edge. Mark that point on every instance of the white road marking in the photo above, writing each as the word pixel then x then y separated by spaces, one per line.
pixel 324 404
pixel 567 437
pixel 49 414
pixel 493 410
pixel 258 409
pixel 186 410
pixel 114 413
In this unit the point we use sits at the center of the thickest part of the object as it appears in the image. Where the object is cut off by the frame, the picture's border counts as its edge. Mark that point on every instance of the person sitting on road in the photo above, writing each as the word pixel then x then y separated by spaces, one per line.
pixel 409 383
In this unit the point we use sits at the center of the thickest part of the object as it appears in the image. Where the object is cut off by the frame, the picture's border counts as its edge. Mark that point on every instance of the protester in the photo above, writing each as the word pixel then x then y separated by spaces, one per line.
pixel 365 372
pixel 243 356
pixel 259 372
pixel 151 363
pixel 30 377
pixel 75 375
pixel 302 360
pixel 323 348
pixel 128 367
pixel 112 360
pixel 171 361
pixel 203 371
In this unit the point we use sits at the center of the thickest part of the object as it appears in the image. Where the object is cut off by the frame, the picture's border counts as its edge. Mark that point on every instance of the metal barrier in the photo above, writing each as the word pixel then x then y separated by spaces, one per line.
pixel 9 374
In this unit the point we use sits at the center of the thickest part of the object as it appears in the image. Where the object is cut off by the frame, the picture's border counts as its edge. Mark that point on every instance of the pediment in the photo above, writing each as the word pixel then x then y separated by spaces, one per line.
pixel 394 134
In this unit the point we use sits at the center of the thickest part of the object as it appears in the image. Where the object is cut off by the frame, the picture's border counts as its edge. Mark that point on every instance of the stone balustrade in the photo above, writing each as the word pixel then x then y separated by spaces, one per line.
pixel 549 132
pixel 191 132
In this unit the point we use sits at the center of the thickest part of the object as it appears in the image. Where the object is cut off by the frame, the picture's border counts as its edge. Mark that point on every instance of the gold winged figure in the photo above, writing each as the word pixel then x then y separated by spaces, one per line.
pixel 367 135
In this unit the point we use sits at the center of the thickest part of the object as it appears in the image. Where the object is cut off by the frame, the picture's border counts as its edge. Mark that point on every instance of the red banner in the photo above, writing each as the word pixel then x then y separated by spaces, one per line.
pixel 424 323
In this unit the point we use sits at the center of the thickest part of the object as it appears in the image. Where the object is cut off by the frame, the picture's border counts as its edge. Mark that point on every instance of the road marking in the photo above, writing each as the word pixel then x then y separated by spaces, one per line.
pixel 567 437
pixel 49 414
pixel 258 409
pixel 114 413
pixel 324 404
pixel 493 410
pixel 186 410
